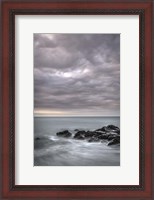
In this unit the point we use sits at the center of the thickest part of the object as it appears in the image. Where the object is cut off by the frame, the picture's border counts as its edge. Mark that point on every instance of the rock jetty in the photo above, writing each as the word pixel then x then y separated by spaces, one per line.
pixel 110 134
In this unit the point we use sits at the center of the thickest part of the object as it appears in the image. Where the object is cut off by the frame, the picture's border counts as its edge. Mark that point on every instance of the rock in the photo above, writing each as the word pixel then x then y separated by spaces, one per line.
pixel 109 128
pixel 106 133
pixel 93 139
pixel 111 137
pixel 113 128
pixel 103 136
pixel 89 134
pixel 100 132
pixel 65 133
pixel 114 141
pixel 37 138
pixel 80 135
pixel 103 129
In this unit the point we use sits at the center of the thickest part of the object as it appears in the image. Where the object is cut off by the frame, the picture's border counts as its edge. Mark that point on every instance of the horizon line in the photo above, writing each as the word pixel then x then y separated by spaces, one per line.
pixel 77 116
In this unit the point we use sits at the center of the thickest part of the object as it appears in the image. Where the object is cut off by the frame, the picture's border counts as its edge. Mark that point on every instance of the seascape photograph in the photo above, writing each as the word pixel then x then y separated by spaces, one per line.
pixel 76 99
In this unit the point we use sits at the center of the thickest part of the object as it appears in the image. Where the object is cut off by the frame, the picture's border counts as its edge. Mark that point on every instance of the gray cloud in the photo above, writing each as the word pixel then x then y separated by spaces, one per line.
pixel 77 73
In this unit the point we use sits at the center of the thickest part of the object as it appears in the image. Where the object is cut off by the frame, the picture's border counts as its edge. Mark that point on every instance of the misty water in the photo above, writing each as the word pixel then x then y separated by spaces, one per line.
pixel 51 150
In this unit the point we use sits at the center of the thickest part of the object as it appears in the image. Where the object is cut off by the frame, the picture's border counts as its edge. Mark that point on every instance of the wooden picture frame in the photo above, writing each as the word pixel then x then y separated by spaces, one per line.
pixel 12 8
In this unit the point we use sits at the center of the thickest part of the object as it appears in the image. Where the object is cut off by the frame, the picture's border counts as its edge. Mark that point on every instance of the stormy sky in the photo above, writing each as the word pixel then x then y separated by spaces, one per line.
pixel 76 74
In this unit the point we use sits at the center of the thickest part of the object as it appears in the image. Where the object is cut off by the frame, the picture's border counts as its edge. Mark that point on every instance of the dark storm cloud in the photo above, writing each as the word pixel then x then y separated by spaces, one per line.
pixel 77 73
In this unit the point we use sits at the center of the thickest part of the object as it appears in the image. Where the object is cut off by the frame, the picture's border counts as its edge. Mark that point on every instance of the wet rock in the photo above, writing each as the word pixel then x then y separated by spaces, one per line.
pixel 111 137
pixel 80 135
pixel 114 141
pixel 84 134
pixel 103 129
pixel 106 133
pixel 89 134
pixel 37 138
pixel 99 132
pixel 103 136
pixel 93 139
pixel 109 128
pixel 113 128
pixel 65 133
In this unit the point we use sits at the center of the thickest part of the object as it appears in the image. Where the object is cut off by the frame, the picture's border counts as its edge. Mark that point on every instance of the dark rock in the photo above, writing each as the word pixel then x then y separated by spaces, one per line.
pixel 37 138
pixel 114 141
pixel 106 133
pixel 113 129
pixel 85 134
pixel 103 141
pixel 103 136
pixel 80 135
pixel 111 137
pixel 99 132
pixel 109 128
pixel 93 139
pixel 89 134
pixel 65 133
pixel 103 129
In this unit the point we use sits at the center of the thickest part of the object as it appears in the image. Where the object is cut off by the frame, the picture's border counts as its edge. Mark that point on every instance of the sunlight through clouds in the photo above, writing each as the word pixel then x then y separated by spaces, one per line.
pixel 77 74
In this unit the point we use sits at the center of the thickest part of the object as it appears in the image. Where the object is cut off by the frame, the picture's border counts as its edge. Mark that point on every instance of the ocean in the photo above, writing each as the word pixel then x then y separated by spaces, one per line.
pixel 51 150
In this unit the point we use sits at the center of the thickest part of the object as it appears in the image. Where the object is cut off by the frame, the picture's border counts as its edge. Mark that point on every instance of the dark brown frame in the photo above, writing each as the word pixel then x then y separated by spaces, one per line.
pixel 11 8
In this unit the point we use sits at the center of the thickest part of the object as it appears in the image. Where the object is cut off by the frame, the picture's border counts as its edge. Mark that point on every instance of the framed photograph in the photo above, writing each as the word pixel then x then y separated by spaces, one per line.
pixel 77 99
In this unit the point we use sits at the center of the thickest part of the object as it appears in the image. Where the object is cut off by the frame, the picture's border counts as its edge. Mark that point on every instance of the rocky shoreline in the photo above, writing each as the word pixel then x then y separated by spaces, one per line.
pixel 109 134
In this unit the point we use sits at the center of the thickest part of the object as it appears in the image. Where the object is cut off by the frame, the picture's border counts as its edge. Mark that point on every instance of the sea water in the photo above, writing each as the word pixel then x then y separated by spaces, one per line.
pixel 51 150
